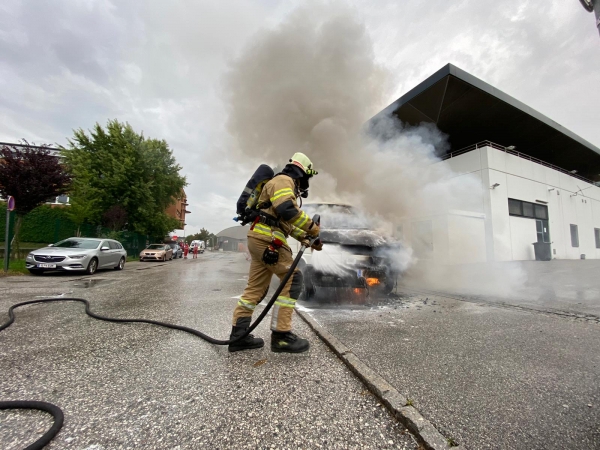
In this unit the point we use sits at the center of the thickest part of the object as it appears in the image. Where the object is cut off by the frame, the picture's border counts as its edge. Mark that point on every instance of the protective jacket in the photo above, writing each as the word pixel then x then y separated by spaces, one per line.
pixel 283 216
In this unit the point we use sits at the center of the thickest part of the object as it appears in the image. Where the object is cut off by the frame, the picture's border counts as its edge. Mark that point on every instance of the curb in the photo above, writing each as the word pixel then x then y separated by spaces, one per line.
pixel 425 433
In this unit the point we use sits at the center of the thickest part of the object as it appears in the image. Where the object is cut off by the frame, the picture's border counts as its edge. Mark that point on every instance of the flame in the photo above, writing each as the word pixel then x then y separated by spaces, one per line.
pixel 357 290
pixel 372 281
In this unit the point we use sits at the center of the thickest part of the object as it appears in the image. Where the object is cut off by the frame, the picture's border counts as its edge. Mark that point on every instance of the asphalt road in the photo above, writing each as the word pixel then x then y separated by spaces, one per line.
pixel 490 373
pixel 125 386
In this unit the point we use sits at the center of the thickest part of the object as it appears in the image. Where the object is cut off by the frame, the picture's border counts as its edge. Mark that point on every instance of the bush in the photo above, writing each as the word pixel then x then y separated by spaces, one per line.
pixel 42 224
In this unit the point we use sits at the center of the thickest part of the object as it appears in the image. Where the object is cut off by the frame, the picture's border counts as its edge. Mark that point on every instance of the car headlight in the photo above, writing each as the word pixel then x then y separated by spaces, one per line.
pixel 77 256
pixel 30 256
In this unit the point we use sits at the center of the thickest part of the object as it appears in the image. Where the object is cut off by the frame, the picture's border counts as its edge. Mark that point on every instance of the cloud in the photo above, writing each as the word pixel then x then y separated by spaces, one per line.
pixel 68 64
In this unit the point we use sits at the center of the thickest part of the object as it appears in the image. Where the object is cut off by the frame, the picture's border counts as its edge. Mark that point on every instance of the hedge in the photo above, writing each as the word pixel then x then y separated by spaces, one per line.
pixel 43 224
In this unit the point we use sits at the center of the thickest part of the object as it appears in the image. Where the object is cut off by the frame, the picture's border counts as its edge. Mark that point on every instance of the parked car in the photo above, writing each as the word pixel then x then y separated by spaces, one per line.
pixel 177 251
pixel 157 252
pixel 77 254
pixel 354 254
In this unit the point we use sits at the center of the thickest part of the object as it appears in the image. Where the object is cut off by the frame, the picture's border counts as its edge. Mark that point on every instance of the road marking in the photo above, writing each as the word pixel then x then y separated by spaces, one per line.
pixel 54 295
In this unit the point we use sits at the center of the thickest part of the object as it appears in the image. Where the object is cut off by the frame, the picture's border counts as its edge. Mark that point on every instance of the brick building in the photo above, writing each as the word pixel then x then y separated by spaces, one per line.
pixel 178 209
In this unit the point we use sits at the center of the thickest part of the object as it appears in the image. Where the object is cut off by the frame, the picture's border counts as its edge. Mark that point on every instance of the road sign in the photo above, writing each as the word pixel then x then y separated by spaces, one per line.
pixel 174 238
pixel 10 205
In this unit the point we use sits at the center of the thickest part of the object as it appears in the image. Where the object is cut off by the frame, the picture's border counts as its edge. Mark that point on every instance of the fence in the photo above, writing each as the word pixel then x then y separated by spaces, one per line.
pixel 46 225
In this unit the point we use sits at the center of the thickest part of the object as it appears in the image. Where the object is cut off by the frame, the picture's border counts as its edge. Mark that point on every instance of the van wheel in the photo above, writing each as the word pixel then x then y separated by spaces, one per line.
pixel 389 284
pixel 309 290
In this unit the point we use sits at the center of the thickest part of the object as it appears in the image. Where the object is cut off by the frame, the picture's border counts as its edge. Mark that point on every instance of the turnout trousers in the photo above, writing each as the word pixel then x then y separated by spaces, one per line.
pixel 259 280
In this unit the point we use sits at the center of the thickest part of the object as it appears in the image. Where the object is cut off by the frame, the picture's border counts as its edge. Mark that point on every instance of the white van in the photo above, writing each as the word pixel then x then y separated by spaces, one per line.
pixel 353 255
pixel 200 244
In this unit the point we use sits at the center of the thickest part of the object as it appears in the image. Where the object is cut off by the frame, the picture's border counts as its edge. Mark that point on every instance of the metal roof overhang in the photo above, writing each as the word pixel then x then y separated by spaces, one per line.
pixel 470 110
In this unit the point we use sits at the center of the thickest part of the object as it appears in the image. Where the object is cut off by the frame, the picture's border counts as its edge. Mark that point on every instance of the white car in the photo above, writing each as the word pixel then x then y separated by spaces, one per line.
pixel 77 254
pixel 353 255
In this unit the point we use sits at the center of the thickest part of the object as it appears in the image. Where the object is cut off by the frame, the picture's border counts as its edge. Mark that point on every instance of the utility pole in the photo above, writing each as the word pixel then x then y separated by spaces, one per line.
pixel 10 206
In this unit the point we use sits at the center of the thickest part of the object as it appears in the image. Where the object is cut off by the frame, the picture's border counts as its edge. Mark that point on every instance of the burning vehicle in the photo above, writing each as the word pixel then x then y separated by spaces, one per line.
pixel 354 254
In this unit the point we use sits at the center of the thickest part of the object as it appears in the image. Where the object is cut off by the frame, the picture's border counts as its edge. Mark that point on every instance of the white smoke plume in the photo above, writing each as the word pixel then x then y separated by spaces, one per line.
pixel 310 85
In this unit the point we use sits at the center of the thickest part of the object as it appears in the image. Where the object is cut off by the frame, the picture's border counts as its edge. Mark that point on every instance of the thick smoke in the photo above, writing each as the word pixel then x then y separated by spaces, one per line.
pixel 310 85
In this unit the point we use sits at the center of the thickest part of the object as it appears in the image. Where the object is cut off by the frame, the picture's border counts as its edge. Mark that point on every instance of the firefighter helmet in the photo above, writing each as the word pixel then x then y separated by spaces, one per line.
pixel 302 161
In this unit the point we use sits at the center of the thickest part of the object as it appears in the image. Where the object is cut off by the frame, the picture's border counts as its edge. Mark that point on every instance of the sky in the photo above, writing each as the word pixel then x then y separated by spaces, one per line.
pixel 164 67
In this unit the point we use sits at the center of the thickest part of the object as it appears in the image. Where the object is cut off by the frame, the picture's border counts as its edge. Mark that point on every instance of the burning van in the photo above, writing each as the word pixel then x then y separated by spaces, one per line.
pixel 354 254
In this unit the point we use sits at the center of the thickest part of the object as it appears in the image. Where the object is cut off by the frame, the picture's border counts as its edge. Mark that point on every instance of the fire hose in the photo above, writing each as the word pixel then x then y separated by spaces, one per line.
pixel 57 412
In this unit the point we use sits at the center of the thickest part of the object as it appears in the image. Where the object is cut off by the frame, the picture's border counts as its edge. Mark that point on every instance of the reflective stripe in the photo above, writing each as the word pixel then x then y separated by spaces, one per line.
pixel 262 229
pixel 282 193
pixel 274 317
pixel 285 302
pixel 301 221
pixel 248 190
pixel 279 235
pixel 297 233
pixel 266 231
pixel 246 304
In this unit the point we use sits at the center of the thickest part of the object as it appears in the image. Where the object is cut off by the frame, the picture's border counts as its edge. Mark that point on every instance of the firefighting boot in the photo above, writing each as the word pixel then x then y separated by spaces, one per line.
pixel 249 342
pixel 288 342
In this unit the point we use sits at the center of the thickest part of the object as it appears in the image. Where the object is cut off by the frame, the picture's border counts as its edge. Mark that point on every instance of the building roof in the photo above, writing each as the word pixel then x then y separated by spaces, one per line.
pixel 236 232
pixel 470 110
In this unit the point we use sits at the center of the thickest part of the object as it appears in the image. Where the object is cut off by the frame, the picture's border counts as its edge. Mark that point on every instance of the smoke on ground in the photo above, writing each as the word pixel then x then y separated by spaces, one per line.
pixel 310 85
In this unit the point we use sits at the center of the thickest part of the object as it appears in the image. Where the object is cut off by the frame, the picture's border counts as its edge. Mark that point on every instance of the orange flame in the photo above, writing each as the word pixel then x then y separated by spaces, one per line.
pixel 372 281
pixel 357 290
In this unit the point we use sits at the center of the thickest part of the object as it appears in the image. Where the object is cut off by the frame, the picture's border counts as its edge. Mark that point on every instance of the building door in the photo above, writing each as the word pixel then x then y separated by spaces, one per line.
pixel 543 233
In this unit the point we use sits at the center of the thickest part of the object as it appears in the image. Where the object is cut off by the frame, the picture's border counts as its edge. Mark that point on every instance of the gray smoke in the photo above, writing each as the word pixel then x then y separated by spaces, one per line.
pixel 310 85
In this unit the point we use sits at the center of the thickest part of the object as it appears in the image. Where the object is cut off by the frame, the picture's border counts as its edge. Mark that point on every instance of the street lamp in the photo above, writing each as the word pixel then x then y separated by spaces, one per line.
pixel 593 6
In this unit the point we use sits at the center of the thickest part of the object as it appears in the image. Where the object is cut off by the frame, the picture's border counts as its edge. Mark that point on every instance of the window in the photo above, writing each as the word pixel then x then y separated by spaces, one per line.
pixel 527 209
pixel 541 211
pixel 87 244
pixel 514 207
pixel 574 236
pixel 597 236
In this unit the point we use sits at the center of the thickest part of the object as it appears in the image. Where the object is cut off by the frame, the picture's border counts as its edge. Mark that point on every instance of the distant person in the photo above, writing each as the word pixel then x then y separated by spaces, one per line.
pixel 195 251
pixel 186 249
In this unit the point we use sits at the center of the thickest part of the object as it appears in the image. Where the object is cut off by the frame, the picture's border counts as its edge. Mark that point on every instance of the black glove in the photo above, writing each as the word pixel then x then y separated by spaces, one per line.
pixel 270 256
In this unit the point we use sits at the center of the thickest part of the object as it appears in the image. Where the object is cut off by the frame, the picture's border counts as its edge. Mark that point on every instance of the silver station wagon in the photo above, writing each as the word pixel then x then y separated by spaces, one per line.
pixel 78 254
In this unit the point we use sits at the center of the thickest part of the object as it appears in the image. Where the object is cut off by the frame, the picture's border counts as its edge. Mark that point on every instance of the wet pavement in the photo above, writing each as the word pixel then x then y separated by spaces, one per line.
pixel 488 372
pixel 140 386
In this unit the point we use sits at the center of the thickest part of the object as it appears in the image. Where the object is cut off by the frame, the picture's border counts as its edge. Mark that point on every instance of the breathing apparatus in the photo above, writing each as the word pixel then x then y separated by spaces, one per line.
pixel 300 169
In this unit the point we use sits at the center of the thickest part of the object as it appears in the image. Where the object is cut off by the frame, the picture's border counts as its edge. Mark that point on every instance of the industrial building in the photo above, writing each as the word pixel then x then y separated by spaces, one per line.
pixel 537 181
pixel 233 239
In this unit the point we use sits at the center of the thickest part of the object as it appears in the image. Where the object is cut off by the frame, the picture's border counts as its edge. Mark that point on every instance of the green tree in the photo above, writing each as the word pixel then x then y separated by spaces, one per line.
pixel 203 235
pixel 32 176
pixel 115 166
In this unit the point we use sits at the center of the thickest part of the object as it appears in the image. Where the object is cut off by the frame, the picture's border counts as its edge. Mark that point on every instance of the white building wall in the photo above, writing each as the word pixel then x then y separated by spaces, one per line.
pixel 477 227
pixel 569 200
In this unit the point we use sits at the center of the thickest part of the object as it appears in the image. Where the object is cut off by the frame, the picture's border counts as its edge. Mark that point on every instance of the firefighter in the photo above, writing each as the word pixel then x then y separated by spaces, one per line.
pixel 279 217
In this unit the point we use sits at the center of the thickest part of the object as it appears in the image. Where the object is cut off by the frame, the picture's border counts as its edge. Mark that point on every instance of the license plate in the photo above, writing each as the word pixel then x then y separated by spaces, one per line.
pixel 47 266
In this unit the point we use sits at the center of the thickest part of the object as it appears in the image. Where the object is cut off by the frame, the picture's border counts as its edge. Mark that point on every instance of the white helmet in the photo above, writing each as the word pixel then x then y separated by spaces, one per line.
pixel 302 161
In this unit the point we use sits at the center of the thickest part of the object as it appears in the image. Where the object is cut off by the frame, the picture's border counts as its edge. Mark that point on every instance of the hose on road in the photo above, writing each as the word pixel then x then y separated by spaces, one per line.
pixel 42 406
pixel 57 412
